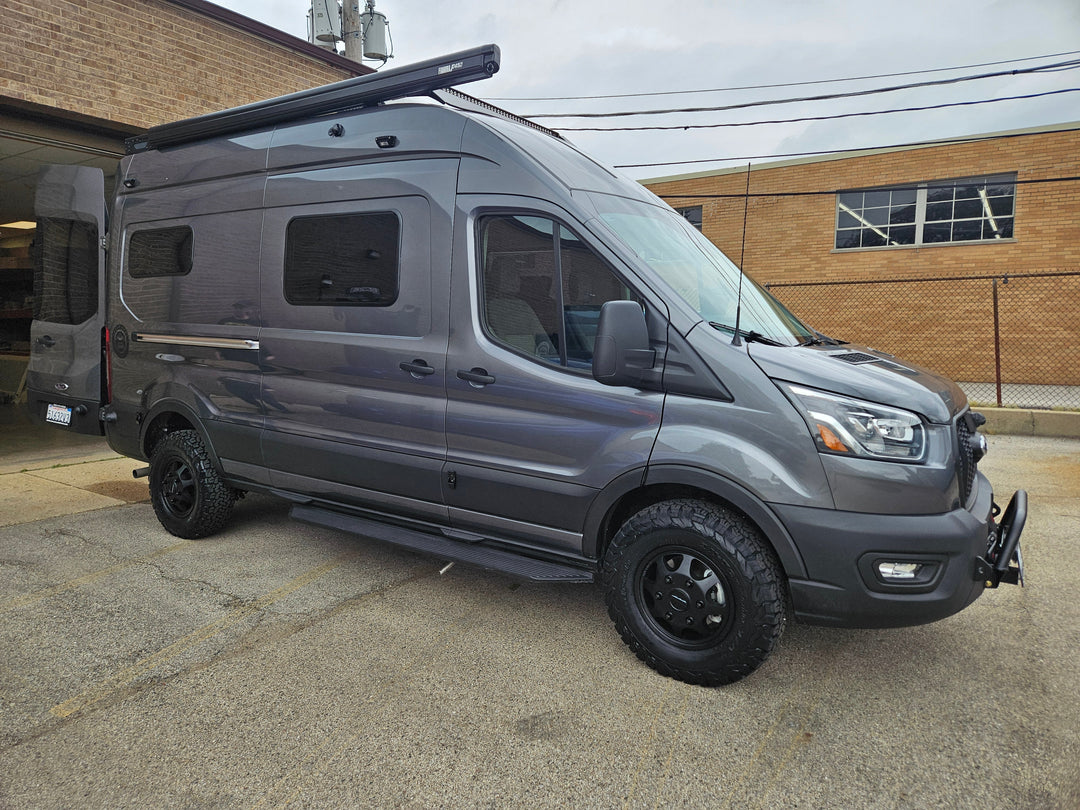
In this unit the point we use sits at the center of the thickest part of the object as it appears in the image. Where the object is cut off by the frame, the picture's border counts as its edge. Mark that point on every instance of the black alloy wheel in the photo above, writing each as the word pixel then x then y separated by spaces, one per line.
pixel 681 592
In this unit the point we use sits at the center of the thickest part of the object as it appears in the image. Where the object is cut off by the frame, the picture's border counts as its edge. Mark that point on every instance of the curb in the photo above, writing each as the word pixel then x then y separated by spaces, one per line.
pixel 1019 422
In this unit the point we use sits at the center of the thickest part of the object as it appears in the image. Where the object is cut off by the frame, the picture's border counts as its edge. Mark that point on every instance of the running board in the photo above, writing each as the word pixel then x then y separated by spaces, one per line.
pixel 490 559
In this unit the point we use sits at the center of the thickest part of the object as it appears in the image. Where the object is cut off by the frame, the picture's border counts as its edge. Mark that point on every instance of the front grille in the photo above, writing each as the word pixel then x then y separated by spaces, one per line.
pixel 965 456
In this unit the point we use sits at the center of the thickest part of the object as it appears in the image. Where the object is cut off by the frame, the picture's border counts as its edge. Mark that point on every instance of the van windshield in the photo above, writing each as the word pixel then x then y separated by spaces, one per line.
pixel 698 271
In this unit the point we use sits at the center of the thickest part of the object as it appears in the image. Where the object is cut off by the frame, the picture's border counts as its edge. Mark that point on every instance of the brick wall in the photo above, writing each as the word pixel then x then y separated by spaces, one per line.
pixel 790 240
pixel 143 62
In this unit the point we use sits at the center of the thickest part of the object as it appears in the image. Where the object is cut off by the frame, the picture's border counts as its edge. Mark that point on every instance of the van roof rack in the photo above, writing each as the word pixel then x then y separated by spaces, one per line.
pixel 421 78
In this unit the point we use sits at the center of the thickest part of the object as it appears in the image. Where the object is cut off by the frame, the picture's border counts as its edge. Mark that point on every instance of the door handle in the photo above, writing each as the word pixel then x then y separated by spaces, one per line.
pixel 418 368
pixel 476 377
pixel 46 341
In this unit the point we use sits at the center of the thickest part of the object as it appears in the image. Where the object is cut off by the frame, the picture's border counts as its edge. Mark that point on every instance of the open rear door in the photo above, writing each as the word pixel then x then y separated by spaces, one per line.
pixel 65 380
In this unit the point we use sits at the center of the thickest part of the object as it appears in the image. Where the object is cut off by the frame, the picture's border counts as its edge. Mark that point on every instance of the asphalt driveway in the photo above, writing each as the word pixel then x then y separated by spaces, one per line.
pixel 279 664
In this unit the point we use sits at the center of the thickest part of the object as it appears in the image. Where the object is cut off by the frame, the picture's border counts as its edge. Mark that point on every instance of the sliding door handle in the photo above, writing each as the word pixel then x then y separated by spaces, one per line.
pixel 418 368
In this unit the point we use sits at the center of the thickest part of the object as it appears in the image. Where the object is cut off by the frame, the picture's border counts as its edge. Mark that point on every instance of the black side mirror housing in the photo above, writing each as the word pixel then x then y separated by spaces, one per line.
pixel 621 354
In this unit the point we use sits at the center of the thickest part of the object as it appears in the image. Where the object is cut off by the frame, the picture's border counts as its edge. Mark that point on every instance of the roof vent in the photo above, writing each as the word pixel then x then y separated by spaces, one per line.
pixel 856 358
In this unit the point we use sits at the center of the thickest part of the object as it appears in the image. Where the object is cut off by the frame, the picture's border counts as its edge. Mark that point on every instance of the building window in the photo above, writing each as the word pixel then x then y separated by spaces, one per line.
pixel 952 211
pixel 343 260
pixel 692 215
pixel 160 252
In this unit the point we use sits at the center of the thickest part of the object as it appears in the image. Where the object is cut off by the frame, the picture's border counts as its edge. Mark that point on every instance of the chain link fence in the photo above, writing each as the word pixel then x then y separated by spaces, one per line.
pixel 1007 340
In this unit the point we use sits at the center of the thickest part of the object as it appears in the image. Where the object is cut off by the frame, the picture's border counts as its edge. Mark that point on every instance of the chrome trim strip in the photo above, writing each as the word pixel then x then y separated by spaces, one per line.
pixel 191 340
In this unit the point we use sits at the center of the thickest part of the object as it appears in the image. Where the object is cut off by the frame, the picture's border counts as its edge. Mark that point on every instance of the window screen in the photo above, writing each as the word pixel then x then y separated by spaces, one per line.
pixel 543 289
pixel 343 260
pixel 65 271
pixel 159 252
pixel 973 210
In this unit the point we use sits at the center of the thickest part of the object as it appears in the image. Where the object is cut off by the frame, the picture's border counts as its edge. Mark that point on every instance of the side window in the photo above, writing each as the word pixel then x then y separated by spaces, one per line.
pixel 542 289
pixel 159 252
pixel 343 260
pixel 65 271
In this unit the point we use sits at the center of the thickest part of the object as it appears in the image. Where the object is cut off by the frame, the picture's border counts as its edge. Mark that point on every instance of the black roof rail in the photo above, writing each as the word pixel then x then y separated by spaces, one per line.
pixel 417 79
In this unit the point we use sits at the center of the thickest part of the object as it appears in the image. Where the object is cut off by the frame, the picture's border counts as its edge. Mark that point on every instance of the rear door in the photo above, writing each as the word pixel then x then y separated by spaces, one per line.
pixel 65 377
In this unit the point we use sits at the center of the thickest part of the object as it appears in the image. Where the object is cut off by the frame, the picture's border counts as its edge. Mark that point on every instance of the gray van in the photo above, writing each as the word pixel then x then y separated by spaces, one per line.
pixel 436 325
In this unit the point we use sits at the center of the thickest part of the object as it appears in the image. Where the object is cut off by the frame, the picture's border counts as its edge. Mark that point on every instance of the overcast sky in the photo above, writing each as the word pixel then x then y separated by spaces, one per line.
pixel 599 47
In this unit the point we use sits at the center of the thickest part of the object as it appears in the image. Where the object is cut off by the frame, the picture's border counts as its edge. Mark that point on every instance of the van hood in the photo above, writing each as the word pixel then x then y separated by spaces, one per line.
pixel 864 373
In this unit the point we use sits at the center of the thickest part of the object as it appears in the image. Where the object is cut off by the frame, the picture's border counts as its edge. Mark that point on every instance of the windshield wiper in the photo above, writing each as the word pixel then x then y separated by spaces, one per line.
pixel 749 336
pixel 822 340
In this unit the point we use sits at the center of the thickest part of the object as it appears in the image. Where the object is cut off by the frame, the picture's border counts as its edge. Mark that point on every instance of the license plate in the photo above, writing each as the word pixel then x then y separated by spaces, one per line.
pixel 58 415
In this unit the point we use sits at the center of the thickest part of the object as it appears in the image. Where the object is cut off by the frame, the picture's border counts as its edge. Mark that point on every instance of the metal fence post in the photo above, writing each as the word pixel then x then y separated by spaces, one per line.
pixel 997 343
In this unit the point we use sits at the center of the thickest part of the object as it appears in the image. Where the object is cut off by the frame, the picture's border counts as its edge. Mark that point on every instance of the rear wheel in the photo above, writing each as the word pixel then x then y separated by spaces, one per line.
pixel 695 592
pixel 188 495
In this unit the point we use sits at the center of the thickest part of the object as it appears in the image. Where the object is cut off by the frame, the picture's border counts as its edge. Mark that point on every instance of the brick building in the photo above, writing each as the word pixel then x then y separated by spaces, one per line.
pixel 963 257
pixel 78 77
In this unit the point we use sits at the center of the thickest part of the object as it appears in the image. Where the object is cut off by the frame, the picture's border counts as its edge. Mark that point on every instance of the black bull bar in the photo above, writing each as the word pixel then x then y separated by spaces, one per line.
pixel 1003 561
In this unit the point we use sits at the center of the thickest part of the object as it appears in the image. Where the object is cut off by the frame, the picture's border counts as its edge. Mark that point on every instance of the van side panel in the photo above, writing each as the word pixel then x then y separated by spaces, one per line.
pixel 349 417
pixel 417 130
pixel 184 313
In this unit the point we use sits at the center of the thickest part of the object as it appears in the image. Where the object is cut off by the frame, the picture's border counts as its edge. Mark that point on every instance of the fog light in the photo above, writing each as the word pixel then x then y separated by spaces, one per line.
pixel 898 570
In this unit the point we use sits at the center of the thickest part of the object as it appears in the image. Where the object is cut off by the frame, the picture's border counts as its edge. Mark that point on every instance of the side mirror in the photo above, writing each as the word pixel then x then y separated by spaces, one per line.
pixel 621 354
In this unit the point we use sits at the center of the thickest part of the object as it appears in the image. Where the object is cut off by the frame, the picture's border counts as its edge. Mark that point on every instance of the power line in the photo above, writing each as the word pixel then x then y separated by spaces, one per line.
pixel 818 117
pixel 910 144
pixel 784 84
pixel 1067 65
pixel 833 192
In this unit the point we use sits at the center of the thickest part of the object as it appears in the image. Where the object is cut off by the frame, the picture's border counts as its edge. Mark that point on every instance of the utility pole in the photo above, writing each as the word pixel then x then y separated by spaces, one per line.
pixel 350 30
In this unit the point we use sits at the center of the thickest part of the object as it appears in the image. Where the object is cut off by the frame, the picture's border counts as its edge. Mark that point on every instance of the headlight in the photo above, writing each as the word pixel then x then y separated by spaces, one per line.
pixel 852 427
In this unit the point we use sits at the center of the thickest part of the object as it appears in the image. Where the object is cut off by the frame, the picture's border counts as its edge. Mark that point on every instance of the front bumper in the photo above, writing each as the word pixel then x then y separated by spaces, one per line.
pixel 954 553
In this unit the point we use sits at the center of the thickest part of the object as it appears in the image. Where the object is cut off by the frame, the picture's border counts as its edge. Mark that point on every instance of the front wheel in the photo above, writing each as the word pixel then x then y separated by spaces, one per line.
pixel 695 592
pixel 188 495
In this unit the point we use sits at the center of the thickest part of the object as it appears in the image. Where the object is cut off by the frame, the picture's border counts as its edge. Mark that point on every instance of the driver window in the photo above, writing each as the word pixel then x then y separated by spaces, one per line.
pixel 542 289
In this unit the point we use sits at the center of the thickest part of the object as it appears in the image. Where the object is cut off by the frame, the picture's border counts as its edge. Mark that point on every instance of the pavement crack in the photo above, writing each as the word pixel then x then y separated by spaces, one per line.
pixel 229 599
pixel 265 632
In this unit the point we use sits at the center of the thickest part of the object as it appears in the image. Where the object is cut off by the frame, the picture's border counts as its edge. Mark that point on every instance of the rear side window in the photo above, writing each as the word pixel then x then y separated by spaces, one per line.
pixel 160 252
pixel 65 271
pixel 343 260
pixel 543 289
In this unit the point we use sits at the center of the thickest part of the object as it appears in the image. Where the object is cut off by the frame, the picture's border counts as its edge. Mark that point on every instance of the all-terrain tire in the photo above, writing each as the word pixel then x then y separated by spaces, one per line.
pixel 695 591
pixel 189 497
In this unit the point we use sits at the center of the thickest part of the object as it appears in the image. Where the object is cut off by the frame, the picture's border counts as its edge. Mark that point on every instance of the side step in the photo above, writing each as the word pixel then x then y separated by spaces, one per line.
pixel 490 559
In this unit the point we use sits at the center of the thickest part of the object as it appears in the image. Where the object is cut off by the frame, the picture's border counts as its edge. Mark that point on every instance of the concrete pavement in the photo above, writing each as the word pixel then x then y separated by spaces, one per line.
pixel 46 472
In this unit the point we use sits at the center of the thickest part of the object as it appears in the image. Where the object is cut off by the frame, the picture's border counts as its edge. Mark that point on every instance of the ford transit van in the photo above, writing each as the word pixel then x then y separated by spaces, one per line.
pixel 429 323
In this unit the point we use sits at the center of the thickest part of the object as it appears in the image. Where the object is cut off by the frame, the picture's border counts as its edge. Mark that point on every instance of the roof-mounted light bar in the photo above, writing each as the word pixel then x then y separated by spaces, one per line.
pixel 410 80
pixel 463 101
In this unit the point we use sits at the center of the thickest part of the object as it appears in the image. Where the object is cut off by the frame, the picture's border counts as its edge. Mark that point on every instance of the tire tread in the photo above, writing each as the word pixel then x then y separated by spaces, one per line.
pixel 215 500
